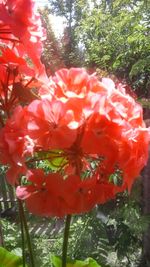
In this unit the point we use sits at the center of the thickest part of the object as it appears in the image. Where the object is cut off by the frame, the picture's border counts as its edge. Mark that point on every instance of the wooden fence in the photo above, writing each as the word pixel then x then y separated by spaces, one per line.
pixel 7 195
pixel 9 210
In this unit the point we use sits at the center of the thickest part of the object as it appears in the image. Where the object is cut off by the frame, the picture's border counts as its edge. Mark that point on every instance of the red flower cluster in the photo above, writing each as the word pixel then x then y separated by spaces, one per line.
pixel 24 31
pixel 92 136
pixel 20 36
pixel 52 195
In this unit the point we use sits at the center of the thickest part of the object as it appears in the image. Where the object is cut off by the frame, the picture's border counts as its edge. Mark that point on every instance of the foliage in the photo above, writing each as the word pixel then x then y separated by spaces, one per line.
pixel 8 259
pixel 12 237
pixel 89 262
pixel 111 234
pixel 116 39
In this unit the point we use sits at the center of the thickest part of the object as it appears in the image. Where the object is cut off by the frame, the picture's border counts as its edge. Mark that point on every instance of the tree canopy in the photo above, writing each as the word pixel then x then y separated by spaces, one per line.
pixel 115 35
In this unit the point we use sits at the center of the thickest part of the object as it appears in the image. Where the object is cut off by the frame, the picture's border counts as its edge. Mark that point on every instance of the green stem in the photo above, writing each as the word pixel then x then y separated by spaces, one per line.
pixel 27 234
pixel 65 240
pixel 22 233
pixel 1 235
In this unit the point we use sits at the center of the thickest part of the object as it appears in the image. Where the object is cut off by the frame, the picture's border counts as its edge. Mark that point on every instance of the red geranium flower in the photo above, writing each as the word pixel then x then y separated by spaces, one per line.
pixel 52 195
pixel 93 137
pixel 46 194
pixel 48 125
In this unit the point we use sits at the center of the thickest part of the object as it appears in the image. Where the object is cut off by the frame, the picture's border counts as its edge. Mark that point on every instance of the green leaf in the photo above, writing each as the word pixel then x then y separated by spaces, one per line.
pixel 53 159
pixel 8 259
pixel 116 179
pixel 139 67
pixel 17 252
pixel 89 262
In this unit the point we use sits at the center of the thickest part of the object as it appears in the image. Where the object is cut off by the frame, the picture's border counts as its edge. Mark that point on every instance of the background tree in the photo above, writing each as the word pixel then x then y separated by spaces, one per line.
pixel 72 11
pixel 116 38
pixel 52 55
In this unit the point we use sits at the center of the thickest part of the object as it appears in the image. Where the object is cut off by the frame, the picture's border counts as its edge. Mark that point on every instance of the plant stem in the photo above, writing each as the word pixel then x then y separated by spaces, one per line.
pixel 22 233
pixel 27 234
pixel 65 240
pixel 1 235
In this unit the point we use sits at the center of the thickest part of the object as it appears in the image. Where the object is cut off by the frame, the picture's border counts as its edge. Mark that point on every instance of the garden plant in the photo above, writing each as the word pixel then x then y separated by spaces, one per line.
pixel 68 141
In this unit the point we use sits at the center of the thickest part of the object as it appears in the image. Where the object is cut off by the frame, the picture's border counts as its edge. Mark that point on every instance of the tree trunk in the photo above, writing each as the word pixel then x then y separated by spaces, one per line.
pixel 145 259
pixel 146 210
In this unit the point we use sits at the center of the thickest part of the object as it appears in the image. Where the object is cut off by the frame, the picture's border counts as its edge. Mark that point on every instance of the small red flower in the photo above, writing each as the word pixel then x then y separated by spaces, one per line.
pixel 46 196
pixel 48 125
pixel 15 144
pixel 16 82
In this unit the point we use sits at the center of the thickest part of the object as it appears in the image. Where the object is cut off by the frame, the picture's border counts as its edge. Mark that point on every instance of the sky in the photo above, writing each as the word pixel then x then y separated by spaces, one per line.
pixel 41 2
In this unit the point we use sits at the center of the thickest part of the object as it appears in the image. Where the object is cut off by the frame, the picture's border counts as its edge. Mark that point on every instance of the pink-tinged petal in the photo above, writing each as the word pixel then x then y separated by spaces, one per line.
pixel 77 76
pixel 108 83
pixel 24 192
